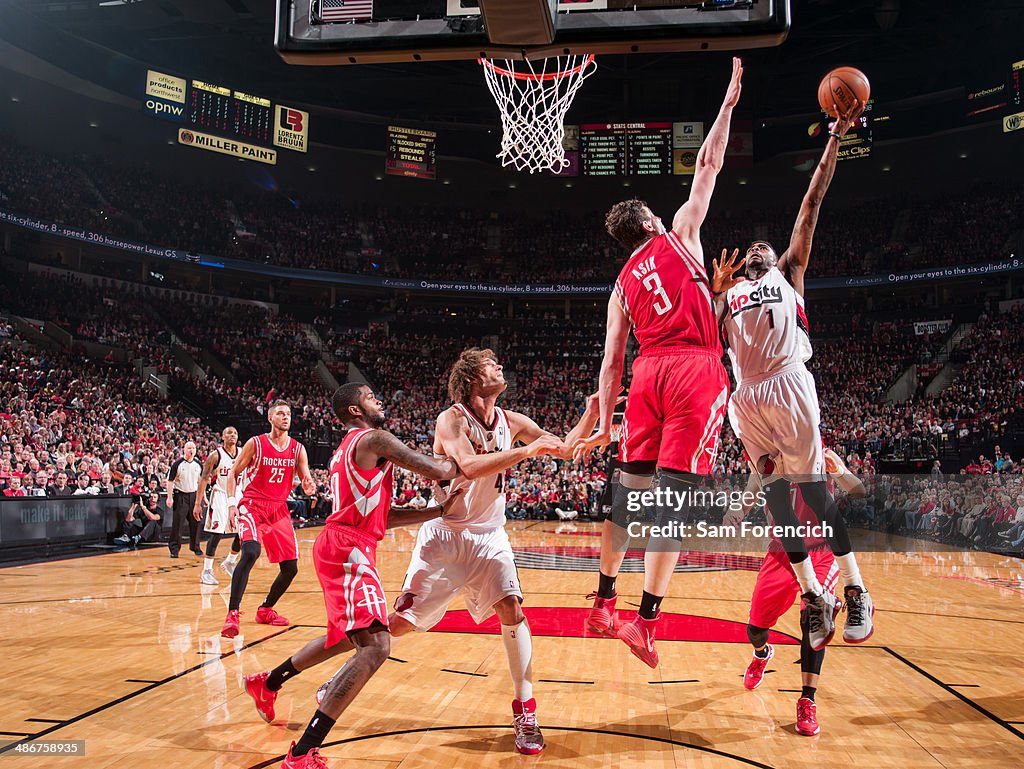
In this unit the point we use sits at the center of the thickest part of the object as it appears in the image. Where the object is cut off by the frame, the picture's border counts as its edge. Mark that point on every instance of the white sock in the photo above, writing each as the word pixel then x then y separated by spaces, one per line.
pixel 207 564
pixel 805 575
pixel 232 557
pixel 519 649
pixel 849 570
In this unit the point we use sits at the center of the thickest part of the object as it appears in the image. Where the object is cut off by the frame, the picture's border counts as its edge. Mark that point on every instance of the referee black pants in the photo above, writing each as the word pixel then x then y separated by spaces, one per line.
pixel 183 504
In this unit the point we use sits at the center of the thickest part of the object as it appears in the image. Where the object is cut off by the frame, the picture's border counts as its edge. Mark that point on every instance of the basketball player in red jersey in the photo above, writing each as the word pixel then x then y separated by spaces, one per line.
pixel 270 462
pixel 678 397
pixel 777 587
pixel 775 411
pixel 344 555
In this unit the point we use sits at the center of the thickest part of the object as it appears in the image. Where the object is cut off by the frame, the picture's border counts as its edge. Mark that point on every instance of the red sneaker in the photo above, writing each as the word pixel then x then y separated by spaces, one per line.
pixel 231 624
pixel 256 687
pixel 312 760
pixel 807 717
pixel 755 670
pixel 638 635
pixel 266 615
pixel 529 740
pixel 602 620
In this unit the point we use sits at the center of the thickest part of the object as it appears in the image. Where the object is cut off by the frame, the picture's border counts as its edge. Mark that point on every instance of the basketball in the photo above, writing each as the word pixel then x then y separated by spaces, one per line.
pixel 840 87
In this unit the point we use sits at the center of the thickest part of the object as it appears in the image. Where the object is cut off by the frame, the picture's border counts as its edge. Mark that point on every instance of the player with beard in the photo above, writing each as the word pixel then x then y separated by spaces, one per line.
pixel 775 412
pixel 344 555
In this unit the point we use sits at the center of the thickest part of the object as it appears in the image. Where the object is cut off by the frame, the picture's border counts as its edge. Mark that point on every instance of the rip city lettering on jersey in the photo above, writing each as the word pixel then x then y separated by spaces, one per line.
pixel 756 298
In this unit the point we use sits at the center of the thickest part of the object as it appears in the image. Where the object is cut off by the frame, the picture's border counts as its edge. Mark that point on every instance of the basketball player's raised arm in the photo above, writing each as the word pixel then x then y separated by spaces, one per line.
pixel 793 263
pixel 209 468
pixel 245 457
pixel 610 382
pixel 451 433
pixel 710 159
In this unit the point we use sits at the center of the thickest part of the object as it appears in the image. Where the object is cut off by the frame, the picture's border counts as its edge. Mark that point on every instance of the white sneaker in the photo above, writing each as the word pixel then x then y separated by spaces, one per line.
pixel 860 610
pixel 207 577
pixel 228 566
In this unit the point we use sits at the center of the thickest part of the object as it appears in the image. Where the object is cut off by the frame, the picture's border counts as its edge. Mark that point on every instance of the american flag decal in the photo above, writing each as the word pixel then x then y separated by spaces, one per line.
pixel 330 11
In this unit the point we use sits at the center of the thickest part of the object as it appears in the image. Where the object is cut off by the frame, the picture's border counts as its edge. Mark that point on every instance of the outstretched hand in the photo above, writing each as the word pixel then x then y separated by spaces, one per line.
pixel 732 93
pixel 846 119
pixel 724 276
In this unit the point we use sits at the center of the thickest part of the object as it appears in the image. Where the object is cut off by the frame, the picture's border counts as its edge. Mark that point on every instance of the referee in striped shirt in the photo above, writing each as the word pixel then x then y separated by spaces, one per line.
pixel 182 482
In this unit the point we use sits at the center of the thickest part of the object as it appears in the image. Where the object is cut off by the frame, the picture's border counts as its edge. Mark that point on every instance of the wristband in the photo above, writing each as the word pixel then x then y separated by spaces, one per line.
pixel 833 133
pixel 233 501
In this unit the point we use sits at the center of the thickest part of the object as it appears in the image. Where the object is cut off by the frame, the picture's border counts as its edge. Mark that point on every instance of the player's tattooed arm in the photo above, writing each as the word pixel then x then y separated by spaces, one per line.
pixel 384 444
pixel 793 263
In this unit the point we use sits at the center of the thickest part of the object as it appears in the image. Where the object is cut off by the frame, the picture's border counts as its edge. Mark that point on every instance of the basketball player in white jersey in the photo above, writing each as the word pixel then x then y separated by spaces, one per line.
pixel 218 523
pixel 466 551
pixel 774 410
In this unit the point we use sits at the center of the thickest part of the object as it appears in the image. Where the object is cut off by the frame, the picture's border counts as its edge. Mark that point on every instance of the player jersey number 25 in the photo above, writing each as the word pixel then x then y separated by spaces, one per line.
pixel 652 283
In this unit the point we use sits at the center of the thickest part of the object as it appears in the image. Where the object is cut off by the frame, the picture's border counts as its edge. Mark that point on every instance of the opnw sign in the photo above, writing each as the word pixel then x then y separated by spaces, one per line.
pixel 165 110
pixel 164 86
pixel 291 128
pixel 227 146
pixel 1013 122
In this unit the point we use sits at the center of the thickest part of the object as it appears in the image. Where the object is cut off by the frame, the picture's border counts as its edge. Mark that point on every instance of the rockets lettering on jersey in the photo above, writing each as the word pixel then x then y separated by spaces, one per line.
pixel 272 470
pixel 766 328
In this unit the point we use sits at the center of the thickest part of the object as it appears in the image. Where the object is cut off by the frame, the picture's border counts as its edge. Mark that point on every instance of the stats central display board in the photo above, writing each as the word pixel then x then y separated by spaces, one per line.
pixel 632 149
pixel 411 152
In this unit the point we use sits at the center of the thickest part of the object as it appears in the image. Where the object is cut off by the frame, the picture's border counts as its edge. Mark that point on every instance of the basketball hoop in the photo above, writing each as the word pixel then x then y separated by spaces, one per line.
pixel 533 102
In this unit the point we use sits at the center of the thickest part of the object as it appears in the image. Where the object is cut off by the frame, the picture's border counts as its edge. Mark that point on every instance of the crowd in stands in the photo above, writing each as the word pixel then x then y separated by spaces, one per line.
pixel 476 244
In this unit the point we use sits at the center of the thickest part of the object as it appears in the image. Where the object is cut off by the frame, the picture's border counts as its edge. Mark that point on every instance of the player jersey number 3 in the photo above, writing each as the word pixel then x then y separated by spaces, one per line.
pixel 662 303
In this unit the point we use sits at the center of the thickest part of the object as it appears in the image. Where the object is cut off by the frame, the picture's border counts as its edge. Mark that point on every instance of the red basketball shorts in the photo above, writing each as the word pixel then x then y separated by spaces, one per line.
pixel 675 409
pixel 777 588
pixel 345 559
pixel 270 524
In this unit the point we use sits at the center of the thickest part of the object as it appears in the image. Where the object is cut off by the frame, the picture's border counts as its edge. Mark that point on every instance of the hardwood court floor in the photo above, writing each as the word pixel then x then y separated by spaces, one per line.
pixel 123 651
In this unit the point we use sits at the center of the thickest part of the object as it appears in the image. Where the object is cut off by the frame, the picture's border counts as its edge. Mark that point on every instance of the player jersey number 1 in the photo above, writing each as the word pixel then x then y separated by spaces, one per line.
pixel 662 303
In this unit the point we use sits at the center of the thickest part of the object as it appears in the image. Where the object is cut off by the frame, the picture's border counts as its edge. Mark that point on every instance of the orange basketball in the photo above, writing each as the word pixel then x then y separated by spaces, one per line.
pixel 840 87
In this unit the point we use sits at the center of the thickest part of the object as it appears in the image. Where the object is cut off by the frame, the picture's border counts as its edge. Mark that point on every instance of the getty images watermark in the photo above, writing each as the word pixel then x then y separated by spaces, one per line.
pixel 676 507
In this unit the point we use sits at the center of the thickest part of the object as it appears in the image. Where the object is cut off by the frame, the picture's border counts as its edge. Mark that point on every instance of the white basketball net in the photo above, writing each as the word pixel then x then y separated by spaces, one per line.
pixel 533 98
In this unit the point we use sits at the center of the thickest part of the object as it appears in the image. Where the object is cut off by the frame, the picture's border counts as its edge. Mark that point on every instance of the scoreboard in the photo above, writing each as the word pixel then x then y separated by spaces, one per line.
pixel 234 114
pixel 224 120
pixel 411 152
pixel 630 149
pixel 625 149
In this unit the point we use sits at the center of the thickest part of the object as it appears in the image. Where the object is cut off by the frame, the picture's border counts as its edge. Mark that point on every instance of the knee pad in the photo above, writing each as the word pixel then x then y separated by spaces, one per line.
pixel 676 496
pixel 626 487
pixel 289 568
pixel 758 636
